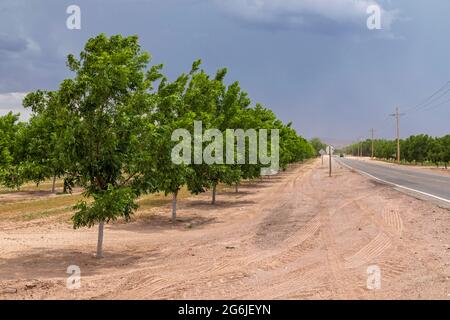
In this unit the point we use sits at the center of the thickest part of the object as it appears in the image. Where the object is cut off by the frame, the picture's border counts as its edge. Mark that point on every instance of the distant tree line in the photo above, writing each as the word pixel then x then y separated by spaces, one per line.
pixel 109 130
pixel 318 145
pixel 418 149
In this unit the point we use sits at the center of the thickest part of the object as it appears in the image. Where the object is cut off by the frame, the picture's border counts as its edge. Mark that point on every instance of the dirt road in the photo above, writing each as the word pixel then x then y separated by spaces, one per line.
pixel 299 235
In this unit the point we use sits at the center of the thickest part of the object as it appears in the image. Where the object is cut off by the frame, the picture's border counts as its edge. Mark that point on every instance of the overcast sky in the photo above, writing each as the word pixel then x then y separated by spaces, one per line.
pixel 314 62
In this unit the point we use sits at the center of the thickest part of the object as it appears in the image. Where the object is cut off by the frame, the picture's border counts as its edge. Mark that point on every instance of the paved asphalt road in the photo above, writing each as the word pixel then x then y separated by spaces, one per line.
pixel 430 185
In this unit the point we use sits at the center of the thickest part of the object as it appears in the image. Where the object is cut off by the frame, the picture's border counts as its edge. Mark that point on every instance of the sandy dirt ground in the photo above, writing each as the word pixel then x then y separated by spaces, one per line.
pixel 298 235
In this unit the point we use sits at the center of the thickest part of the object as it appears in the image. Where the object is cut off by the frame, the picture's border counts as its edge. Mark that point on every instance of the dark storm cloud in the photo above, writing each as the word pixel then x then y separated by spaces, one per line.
pixel 327 16
pixel 12 44
pixel 314 62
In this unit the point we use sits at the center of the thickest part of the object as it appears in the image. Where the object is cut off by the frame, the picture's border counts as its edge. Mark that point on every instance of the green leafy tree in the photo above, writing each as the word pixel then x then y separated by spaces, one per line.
pixel 204 96
pixel 293 148
pixel 445 143
pixel 172 113
pixel 318 145
pixel 107 132
pixel 10 169
pixel 416 148
pixel 41 146
pixel 435 151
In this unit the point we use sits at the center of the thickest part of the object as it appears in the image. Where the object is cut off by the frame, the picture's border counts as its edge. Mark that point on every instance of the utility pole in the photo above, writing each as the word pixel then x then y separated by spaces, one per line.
pixel 372 131
pixel 397 116
pixel 358 148
pixel 330 152
pixel 361 147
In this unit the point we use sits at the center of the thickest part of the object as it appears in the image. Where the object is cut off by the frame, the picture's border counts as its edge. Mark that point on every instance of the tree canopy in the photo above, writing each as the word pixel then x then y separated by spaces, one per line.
pixel 110 130
pixel 415 149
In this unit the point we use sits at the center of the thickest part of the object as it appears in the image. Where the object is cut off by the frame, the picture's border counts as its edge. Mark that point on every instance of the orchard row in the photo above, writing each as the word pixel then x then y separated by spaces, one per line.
pixel 108 129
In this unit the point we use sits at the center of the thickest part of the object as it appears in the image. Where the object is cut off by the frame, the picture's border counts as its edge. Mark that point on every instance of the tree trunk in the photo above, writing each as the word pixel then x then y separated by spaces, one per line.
pixel 174 206
pixel 237 187
pixel 100 239
pixel 54 184
pixel 213 194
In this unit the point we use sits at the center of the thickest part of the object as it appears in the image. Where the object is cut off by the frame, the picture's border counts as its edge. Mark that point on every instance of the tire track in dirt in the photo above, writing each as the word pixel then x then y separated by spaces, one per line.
pixel 333 258
pixel 296 227
pixel 308 279
pixel 320 221
pixel 281 220
pixel 392 268
pixel 375 250
pixel 219 267
pixel 293 253
pixel 392 218
pixel 369 252
pixel 283 273
pixel 312 230
pixel 341 276
pixel 300 239
pixel 391 226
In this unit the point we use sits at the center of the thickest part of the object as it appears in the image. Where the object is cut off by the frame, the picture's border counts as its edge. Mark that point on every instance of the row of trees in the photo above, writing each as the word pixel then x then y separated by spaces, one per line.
pixel 318 145
pixel 416 149
pixel 109 130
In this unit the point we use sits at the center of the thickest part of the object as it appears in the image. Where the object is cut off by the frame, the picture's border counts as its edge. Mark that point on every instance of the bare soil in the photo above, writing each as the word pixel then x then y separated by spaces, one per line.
pixel 297 235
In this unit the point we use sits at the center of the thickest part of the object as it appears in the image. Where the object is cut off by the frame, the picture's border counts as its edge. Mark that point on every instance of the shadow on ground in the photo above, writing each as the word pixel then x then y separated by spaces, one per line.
pixel 48 264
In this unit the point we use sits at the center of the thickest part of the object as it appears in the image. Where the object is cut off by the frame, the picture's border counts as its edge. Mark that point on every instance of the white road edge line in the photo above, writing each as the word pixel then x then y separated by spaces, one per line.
pixel 394 184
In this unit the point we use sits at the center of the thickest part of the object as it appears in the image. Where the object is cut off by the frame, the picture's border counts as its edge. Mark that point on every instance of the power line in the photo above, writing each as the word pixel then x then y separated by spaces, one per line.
pixel 437 105
pixel 425 105
pixel 430 98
